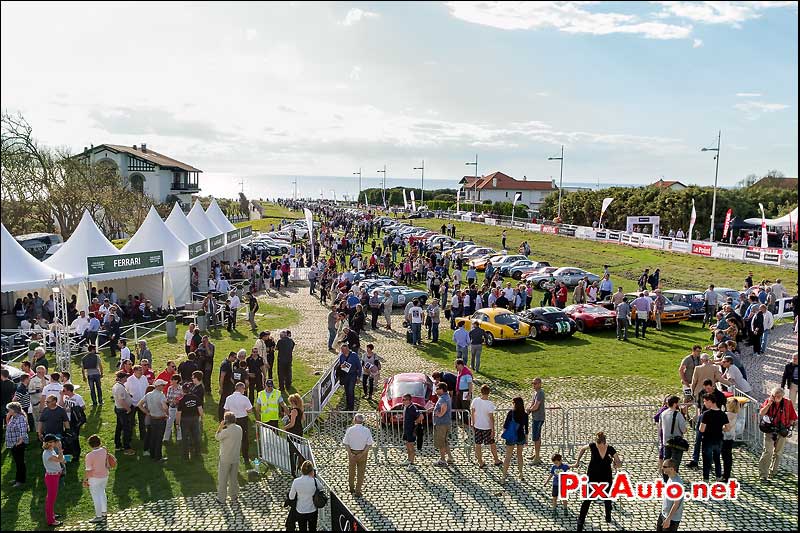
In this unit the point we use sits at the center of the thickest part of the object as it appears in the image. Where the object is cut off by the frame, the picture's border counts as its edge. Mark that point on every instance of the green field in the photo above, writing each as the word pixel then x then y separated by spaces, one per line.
pixel 273 214
pixel 137 479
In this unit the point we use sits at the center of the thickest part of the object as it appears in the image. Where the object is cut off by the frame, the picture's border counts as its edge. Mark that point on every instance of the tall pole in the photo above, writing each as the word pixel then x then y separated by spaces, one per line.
pixel 560 179
pixel 716 177
pixel 474 185
pixel 384 185
pixel 359 184
pixel 422 184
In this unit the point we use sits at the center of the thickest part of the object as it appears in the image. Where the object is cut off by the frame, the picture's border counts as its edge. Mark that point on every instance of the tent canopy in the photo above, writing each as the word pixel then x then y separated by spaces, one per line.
pixel 180 226
pixel 19 270
pixel 785 221
pixel 153 234
pixel 87 241
pixel 198 218
pixel 215 215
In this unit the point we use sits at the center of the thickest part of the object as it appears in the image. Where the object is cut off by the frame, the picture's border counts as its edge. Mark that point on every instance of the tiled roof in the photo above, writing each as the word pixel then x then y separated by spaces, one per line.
pixel 151 156
pixel 780 183
pixel 506 182
pixel 664 184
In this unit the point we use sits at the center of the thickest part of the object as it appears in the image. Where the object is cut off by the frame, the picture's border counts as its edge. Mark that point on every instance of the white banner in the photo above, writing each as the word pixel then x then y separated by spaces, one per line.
pixel 606 203
pixel 727 252
pixel 405 202
pixel 681 246
pixel 691 223
pixel 458 200
pixel 310 224
pixel 490 221
pixel 785 308
pixel 413 201
pixel 764 240
pixel 650 242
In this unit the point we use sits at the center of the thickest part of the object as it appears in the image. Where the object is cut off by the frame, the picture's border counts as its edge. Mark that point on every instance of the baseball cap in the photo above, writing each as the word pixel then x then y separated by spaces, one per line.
pixel 50 438
pixel 270 383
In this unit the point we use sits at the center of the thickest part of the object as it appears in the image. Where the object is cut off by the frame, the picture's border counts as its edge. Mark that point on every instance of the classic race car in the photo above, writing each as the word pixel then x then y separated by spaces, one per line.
pixel 591 316
pixel 498 325
pixel 548 322
pixel 418 385
pixel 569 275
pixel 481 262
pixel 518 269
pixel 691 299
pixel 672 313
pixel 401 295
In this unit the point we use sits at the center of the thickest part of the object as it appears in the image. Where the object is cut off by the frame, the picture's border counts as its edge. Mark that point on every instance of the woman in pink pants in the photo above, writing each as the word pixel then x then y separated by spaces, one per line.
pixel 53 458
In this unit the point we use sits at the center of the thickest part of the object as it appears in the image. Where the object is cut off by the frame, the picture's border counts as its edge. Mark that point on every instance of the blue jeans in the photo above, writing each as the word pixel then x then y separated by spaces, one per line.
pixel 94 388
pixel 698 439
pixel 416 333
pixel 331 337
pixel 350 392
pixel 190 433
pixel 643 323
pixel 435 331
pixel 462 352
pixel 764 340
pixel 712 451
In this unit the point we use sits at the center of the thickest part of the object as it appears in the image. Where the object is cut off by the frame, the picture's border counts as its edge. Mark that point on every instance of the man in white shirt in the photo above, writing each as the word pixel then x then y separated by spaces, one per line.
pixel 357 439
pixel 223 285
pixel 731 375
pixel 136 385
pixel 239 404
pixel 187 337
pixel 53 387
pixel 124 351
pixel 80 324
pixel 769 322
pixel 482 410
pixel 234 305
pixel 414 317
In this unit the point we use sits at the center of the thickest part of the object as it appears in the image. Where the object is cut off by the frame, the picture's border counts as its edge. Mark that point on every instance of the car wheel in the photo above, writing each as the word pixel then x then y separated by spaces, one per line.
pixel 534 332
pixel 423 299
pixel 541 285
pixel 516 275
pixel 580 325
pixel 489 339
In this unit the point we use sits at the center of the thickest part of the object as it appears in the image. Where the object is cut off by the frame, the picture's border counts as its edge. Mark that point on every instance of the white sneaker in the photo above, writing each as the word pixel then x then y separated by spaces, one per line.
pixel 409 466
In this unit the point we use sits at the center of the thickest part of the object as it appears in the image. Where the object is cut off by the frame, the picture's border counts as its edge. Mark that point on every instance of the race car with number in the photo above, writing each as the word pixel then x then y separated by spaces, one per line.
pixel 401 295
pixel 548 322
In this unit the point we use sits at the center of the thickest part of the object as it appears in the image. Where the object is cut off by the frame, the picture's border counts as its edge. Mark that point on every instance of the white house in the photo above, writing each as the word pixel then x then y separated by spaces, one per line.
pixel 154 174
pixel 499 187
pixel 667 184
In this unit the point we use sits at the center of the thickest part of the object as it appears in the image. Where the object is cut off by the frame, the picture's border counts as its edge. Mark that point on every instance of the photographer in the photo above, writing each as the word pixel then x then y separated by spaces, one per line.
pixel 778 418
pixel 229 435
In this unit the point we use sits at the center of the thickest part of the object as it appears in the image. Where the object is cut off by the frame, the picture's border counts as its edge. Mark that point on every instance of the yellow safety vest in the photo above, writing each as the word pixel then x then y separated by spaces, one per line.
pixel 269 405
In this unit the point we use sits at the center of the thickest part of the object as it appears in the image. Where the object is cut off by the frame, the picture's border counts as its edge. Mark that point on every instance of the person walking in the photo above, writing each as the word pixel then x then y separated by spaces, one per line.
pixel 229 435
pixel 623 319
pixel 442 419
pixel 658 307
pixel 789 378
pixel 123 404
pixel 357 440
pixel 710 297
pixel 780 413
pixel 188 415
pixel 642 306
pixel 387 309
pixel 349 370
pixel 370 370
pixel 482 410
pixel 296 420
pixel 462 341
pixel 711 428
pixel 302 491
pixel 173 395
pixel 240 406
pixel 672 425
pixel 252 309
pixel 728 435
pixel 53 459
pixel 285 346
pixel 671 508
pixel 433 317
pixel 476 338
pixel 98 463
pixel 602 458
pixel 269 405
pixel 16 434
pixel 414 316
pixel 92 371
pixel 375 302
pixel 515 433
pixel 255 373
pixel 537 411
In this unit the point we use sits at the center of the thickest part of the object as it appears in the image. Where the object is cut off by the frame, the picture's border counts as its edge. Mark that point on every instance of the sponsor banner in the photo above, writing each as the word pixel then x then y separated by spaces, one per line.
pixel 216 242
pixel 533 227
pixel 246 231
pixel 727 252
pixel 553 230
pixel 584 233
pixel 466 218
pixel 601 235
pixel 752 254
pixel 232 236
pixel 681 246
pixel 650 242
pixel 198 248
pixel 490 221
pixel 625 239
pixel 341 517
pixel 700 248
pixel 785 308
pixel 790 256
pixel 120 263
pixel 766 250
pixel 763 257
pixel 566 230
pixel 613 236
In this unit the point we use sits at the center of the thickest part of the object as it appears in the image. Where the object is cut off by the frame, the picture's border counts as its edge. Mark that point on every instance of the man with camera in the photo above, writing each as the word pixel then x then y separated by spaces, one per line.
pixel 229 435
pixel 778 419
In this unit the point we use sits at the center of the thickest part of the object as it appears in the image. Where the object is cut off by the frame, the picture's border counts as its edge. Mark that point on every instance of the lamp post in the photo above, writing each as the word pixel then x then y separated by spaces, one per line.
pixel 716 175
pixel 422 184
pixel 359 184
pixel 475 185
pixel 384 184
pixel 560 179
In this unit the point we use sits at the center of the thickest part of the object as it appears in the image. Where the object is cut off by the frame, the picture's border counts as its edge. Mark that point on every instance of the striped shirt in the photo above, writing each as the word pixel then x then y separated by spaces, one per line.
pixel 23 397
pixel 16 429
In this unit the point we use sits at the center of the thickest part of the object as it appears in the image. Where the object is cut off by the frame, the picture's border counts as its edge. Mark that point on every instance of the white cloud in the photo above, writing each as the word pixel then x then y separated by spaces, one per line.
pixel 542 93
pixel 569 17
pixel 730 13
pixel 250 34
pixel 748 95
pixel 753 109
pixel 697 43
pixel 355 73
pixel 357 15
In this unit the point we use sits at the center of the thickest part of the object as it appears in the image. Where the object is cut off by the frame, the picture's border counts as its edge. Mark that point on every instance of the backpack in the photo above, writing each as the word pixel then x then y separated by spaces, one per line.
pixel 77 416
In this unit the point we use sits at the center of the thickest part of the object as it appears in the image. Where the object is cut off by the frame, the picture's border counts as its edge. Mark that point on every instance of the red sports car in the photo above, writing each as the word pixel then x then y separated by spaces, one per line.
pixel 418 385
pixel 591 316
pixel 421 237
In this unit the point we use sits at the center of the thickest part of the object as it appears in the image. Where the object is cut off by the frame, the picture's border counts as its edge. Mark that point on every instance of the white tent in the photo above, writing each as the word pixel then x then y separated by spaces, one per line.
pixel 199 220
pixel 215 215
pixel 87 241
pixel 153 234
pixel 21 271
pixel 183 229
pixel 785 221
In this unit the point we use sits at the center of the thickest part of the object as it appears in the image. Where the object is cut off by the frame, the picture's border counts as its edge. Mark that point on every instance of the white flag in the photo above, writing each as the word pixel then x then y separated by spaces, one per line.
pixel 691 222
pixel 413 201
pixel 606 203
pixel 517 197
pixel 458 200
pixel 405 201
pixel 366 202
pixel 764 240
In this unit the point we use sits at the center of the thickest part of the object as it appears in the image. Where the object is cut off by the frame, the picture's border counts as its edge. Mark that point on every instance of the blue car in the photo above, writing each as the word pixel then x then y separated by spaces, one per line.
pixel 691 299
pixel 401 295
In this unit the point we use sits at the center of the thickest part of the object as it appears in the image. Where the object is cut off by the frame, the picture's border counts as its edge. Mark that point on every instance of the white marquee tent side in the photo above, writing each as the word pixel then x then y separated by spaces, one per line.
pixel 20 271
pixel 218 218
pixel 153 234
pixel 199 220
pixel 180 226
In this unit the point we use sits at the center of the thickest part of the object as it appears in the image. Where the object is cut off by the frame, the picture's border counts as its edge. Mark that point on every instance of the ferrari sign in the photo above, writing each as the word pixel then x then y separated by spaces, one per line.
pixel 122 262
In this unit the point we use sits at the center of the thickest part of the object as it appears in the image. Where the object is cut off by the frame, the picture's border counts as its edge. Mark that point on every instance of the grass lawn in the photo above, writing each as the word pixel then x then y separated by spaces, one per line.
pixel 678 271
pixel 137 480
pixel 273 214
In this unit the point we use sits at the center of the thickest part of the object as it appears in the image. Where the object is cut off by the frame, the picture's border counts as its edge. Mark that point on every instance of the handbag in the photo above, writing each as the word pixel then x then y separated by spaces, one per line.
pixel 510 433
pixel 677 442
pixel 111 461
pixel 771 427
pixel 320 498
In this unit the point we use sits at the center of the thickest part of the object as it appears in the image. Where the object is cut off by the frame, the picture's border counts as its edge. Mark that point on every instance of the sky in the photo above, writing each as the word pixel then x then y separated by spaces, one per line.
pixel 633 90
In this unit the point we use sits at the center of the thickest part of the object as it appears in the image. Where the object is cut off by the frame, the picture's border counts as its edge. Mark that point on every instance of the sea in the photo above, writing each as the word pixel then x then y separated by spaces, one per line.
pixel 328 187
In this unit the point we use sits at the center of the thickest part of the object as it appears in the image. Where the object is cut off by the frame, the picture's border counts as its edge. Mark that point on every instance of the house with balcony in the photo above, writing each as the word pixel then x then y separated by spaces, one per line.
pixel 499 187
pixel 147 171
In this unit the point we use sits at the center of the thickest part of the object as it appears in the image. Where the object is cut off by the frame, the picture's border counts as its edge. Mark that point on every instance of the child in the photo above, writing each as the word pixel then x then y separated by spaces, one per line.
pixel 555 472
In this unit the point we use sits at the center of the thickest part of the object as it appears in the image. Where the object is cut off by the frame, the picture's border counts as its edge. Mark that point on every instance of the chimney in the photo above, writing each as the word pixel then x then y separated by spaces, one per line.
pixel 134 147
pixel 85 148
pixel 524 178
pixel 144 148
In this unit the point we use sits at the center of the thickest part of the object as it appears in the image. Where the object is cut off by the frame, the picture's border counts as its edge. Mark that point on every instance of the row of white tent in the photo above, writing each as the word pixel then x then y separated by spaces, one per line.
pixel 183 241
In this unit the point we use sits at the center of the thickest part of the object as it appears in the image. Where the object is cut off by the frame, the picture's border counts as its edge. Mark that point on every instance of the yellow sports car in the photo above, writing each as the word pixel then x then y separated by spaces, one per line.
pixel 498 325
pixel 481 262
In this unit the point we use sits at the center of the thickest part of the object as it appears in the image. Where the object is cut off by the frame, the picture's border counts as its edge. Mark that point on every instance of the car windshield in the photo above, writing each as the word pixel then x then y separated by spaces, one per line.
pixel 506 319
pixel 414 388
pixel 553 312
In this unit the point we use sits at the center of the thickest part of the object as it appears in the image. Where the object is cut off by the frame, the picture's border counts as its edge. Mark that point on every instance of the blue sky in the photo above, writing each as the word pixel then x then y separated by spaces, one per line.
pixel 632 89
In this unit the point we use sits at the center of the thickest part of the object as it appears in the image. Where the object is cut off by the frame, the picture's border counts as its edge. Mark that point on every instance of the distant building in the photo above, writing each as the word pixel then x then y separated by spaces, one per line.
pixel 149 172
pixel 672 185
pixel 777 183
pixel 499 187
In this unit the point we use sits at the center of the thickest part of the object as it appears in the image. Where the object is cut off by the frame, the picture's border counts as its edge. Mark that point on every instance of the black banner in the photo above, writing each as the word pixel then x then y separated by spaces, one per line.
pixel 601 235
pixel 772 258
pixel 569 232
pixel 341 517
pixel 749 254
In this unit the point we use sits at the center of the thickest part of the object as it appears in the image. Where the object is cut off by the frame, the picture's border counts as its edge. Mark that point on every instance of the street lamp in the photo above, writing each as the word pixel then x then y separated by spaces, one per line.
pixel 422 184
pixel 716 175
pixel 560 179
pixel 384 184
pixel 475 185
pixel 359 183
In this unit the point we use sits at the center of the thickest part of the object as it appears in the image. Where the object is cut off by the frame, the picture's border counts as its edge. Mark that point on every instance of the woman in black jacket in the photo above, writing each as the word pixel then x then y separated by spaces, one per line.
pixel 518 439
